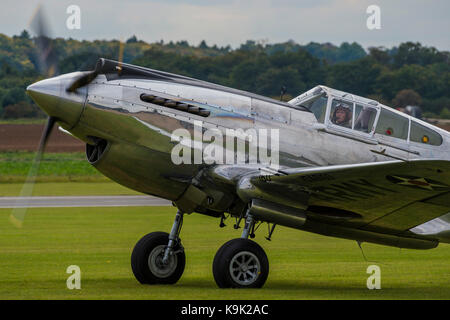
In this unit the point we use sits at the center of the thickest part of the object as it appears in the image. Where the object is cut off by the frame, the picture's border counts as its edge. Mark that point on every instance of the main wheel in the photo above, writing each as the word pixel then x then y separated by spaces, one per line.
pixel 147 256
pixel 240 263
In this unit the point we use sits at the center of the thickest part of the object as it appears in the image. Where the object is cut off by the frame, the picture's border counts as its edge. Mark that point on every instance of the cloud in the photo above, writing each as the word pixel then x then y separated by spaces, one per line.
pixel 233 22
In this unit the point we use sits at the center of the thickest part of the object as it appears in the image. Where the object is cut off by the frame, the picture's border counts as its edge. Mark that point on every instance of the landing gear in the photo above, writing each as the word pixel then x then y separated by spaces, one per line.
pixel 241 263
pixel 158 258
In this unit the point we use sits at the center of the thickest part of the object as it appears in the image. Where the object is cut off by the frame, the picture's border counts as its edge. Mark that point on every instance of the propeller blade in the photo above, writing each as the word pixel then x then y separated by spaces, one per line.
pixel 46 134
pixel 120 60
pixel 82 81
pixel 86 78
pixel 47 56
pixel 18 213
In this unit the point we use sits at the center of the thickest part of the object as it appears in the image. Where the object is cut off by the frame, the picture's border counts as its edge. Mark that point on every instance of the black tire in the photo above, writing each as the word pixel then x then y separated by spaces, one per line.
pixel 146 260
pixel 232 253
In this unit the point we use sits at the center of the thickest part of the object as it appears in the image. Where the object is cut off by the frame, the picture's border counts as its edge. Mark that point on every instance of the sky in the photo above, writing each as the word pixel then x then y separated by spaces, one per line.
pixel 232 22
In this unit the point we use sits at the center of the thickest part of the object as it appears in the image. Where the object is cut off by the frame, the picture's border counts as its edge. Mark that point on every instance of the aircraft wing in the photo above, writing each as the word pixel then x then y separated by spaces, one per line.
pixel 385 197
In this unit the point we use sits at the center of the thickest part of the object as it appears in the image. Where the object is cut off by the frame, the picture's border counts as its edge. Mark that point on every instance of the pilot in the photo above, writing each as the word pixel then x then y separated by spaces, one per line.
pixel 342 115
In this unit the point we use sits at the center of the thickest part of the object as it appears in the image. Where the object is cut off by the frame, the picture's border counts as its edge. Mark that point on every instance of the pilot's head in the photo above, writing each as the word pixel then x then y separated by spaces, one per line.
pixel 342 114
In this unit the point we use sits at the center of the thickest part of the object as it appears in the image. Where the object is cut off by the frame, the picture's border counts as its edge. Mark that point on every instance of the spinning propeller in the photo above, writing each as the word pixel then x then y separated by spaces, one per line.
pixel 48 65
pixel 18 214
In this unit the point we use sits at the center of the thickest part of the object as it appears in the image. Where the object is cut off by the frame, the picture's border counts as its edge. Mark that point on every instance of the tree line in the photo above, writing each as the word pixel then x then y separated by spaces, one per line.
pixel 409 74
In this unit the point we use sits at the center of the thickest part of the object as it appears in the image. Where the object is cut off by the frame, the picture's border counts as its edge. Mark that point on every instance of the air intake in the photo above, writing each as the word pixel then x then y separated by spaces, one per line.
pixel 95 152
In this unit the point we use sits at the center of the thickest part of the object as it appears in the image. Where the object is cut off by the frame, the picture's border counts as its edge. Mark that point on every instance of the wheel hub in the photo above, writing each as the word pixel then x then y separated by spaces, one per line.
pixel 156 264
pixel 245 268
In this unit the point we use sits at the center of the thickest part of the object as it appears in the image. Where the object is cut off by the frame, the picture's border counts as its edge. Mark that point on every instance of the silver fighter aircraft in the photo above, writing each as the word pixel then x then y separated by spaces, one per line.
pixel 342 166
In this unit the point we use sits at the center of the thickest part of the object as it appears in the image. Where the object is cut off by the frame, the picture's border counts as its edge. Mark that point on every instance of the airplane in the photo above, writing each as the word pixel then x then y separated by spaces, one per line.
pixel 340 165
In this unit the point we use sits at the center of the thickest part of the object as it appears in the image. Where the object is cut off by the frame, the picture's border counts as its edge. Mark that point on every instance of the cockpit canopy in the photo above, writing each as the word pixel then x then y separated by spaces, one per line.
pixel 347 113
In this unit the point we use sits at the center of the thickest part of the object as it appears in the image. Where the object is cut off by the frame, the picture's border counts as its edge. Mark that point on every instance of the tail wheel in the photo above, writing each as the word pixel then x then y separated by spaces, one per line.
pixel 147 260
pixel 240 263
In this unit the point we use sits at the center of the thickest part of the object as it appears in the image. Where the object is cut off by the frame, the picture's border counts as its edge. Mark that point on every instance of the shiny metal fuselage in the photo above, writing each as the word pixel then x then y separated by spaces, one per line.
pixel 136 140
pixel 139 134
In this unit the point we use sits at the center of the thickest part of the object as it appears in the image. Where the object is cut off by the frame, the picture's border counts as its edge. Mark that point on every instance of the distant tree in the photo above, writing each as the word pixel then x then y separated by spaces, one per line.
pixel 308 67
pixel 183 43
pixel 380 55
pixel 244 74
pixel 25 35
pixel 445 113
pixel 13 96
pixel 407 97
pixel 359 77
pixel 350 52
pixel 251 45
pixel 226 49
pixel 422 79
pixel 436 106
pixel 256 66
pixel 132 39
pixel 22 109
pixel 7 70
pixel 80 61
pixel 203 45
pixel 272 80
pixel 332 54
pixel 415 53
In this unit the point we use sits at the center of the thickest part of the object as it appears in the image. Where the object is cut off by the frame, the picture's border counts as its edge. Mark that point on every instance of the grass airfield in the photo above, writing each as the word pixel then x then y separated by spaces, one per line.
pixel 34 259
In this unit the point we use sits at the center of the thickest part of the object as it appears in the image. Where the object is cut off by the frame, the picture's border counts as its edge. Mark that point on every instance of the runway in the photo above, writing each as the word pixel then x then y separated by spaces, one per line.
pixel 82 201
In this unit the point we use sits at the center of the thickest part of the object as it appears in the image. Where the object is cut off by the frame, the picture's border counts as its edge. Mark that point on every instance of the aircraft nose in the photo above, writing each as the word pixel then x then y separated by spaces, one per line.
pixel 47 86
pixel 46 94
pixel 50 95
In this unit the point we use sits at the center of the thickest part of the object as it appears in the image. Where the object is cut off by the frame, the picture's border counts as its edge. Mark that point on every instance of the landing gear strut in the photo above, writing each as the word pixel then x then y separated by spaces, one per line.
pixel 158 258
pixel 241 263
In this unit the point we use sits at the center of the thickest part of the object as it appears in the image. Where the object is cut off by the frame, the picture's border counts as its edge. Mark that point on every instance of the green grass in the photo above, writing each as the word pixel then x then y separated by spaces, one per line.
pixel 68 189
pixel 14 167
pixel 55 170
pixel 33 260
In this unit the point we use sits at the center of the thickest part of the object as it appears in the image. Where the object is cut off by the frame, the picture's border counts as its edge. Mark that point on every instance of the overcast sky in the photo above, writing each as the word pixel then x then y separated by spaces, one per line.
pixel 232 22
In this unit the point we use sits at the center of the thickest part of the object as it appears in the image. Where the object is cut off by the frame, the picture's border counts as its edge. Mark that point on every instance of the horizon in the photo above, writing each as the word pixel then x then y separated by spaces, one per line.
pixel 211 45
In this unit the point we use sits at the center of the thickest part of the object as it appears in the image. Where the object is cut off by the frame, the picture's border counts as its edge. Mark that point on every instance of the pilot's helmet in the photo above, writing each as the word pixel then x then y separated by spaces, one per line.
pixel 343 106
